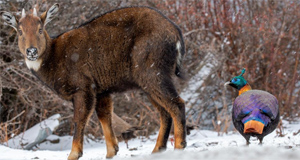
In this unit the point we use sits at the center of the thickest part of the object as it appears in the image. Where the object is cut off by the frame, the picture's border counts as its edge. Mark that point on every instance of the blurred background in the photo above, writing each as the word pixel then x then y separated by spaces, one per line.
pixel 221 37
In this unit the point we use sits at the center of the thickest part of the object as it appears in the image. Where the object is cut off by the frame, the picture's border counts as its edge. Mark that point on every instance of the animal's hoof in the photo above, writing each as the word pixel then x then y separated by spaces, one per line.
pixel 180 145
pixel 74 156
pixel 183 144
pixel 158 149
pixel 112 152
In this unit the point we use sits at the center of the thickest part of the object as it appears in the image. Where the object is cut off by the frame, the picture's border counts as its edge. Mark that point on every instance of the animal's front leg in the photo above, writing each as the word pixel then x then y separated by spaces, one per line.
pixel 83 106
pixel 104 109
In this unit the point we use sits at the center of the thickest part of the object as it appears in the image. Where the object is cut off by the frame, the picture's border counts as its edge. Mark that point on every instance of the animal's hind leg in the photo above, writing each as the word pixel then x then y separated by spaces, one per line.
pixel 104 109
pixel 153 67
pixel 165 127
pixel 165 95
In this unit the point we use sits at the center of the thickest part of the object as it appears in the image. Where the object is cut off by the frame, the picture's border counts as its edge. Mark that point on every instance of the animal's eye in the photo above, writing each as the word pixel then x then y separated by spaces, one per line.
pixel 20 32
pixel 40 31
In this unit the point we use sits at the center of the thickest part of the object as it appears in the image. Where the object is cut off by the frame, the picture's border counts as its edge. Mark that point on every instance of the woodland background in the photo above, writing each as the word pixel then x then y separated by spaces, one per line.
pixel 221 36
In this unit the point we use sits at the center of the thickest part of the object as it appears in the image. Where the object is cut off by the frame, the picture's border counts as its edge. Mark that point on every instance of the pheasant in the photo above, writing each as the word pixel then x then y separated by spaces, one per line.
pixel 255 112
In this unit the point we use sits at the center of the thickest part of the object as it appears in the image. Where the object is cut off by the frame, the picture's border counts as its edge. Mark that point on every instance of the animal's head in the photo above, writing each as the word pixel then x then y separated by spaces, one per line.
pixel 31 31
pixel 238 82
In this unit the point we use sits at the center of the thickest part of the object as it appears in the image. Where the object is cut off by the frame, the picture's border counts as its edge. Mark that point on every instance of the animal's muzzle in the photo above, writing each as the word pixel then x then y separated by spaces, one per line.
pixel 32 53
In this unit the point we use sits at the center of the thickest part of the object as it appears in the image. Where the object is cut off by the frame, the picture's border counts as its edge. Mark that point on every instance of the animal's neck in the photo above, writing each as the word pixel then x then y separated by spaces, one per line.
pixel 48 49
pixel 246 88
pixel 46 71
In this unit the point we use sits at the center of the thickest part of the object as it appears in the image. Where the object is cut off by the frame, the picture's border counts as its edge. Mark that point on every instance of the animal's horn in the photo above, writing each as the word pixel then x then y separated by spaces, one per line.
pixel 34 12
pixel 23 13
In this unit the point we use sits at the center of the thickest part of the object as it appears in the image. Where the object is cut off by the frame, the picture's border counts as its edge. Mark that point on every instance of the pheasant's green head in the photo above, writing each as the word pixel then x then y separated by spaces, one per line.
pixel 238 82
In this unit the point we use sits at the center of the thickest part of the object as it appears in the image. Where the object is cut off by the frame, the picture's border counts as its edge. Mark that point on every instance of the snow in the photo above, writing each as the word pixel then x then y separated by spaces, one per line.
pixel 75 57
pixel 189 94
pixel 30 135
pixel 202 144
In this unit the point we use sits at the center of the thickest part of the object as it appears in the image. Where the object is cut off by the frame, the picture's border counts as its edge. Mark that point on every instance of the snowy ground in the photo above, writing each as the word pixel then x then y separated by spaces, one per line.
pixel 202 144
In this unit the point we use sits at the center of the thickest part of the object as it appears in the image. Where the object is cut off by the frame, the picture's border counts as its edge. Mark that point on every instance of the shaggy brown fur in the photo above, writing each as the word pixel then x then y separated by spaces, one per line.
pixel 127 48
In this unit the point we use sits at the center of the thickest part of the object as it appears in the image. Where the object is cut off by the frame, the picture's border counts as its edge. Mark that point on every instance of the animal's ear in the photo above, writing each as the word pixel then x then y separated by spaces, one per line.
pixel 9 19
pixel 49 14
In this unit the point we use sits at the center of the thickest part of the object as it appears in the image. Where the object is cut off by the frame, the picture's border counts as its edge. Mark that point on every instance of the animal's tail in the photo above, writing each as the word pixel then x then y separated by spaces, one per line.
pixel 180 48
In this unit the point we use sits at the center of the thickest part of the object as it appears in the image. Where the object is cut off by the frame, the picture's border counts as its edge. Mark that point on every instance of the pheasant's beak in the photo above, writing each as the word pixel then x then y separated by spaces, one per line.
pixel 227 83
pixel 253 127
pixel 230 84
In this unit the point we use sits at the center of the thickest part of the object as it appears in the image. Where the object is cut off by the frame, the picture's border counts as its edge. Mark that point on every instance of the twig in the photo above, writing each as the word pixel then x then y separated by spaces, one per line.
pixel 15 117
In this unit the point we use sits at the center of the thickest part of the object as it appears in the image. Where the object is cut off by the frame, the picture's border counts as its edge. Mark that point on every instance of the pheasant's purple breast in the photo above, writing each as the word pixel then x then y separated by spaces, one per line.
pixel 255 105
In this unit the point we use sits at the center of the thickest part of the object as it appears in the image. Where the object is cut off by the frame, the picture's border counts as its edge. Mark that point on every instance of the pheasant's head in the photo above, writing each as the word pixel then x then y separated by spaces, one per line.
pixel 239 83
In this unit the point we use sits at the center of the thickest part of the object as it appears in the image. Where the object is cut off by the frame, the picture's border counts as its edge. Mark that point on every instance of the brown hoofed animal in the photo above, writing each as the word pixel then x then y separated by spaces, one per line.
pixel 134 47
